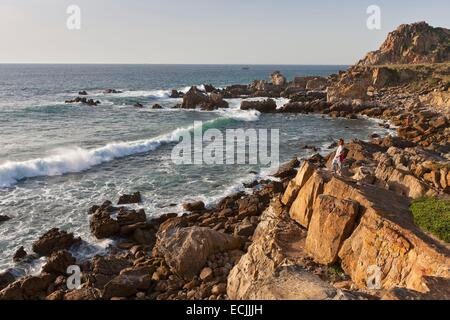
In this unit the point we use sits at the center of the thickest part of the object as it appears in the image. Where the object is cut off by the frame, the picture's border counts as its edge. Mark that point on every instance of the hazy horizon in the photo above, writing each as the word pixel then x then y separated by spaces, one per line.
pixel 174 32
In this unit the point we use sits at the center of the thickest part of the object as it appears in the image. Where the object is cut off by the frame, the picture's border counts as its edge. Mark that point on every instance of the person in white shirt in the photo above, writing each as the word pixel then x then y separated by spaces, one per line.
pixel 339 157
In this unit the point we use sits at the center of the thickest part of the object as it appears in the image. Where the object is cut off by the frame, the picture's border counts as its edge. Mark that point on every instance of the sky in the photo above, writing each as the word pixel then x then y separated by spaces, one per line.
pixel 204 31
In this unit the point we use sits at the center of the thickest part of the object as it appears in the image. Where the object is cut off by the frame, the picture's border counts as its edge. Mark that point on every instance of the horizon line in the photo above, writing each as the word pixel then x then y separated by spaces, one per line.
pixel 174 64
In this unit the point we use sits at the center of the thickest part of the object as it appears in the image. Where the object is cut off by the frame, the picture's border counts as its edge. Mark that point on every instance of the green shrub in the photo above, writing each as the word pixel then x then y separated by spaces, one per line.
pixel 433 215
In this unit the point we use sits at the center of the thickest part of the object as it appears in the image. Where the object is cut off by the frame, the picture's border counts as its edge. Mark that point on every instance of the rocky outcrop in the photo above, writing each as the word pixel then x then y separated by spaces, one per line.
pixel 130 198
pixel 58 262
pixel 266 106
pixel 386 235
pixel 186 250
pixel 412 43
pixel 54 240
pixel 195 98
pixel 276 265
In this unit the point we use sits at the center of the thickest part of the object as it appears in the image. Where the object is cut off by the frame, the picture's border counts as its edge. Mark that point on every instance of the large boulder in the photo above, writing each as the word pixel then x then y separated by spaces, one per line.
pixel 54 240
pixel 294 186
pixel 186 250
pixel 302 208
pixel 103 226
pixel 332 222
pixel 129 282
pixel 388 239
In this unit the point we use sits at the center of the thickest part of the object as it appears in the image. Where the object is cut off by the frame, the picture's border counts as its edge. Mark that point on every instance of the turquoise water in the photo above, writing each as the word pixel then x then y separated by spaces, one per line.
pixel 57 159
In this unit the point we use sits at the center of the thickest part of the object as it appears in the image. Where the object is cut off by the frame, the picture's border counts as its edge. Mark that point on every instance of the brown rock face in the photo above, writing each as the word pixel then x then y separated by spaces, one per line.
pixel 303 175
pixel 273 266
pixel 195 98
pixel 103 226
pixel 54 240
pixel 302 208
pixel 58 262
pixel 332 222
pixel 128 283
pixel 83 294
pixel 413 43
pixel 302 285
pixel 186 250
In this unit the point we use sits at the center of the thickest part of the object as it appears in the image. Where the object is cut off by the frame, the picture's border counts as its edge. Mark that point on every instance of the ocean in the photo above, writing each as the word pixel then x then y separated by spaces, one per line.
pixel 58 159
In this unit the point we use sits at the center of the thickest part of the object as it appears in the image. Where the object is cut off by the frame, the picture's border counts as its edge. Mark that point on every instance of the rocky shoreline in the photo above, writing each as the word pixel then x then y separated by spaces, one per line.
pixel 307 234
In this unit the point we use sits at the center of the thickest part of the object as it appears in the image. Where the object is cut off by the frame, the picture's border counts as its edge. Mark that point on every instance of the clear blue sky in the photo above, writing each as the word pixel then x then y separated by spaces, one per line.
pixel 203 31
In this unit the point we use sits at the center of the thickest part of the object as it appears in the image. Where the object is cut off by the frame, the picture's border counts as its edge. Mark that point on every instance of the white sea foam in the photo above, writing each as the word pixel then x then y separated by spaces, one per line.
pixel 76 159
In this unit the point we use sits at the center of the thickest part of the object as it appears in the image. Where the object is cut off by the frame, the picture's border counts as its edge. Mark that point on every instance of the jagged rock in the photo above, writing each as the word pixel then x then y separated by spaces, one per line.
pixel 332 222
pixel 176 94
pixel 54 240
pixel 273 267
pixel 288 169
pixel 266 106
pixel 130 217
pixel 103 226
pixel 83 93
pixel 186 250
pixel 385 237
pixel 303 175
pixel 157 106
pixel 130 198
pixel 109 265
pixel 59 262
pixel 302 208
pixel 20 254
pixel 412 43
pixel 28 288
pixel 138 105
pixel 128 283
pixel 109 91
pixel 195 98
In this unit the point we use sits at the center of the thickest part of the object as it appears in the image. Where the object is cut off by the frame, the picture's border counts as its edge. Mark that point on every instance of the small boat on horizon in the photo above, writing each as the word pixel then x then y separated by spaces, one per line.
pixel 246 68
